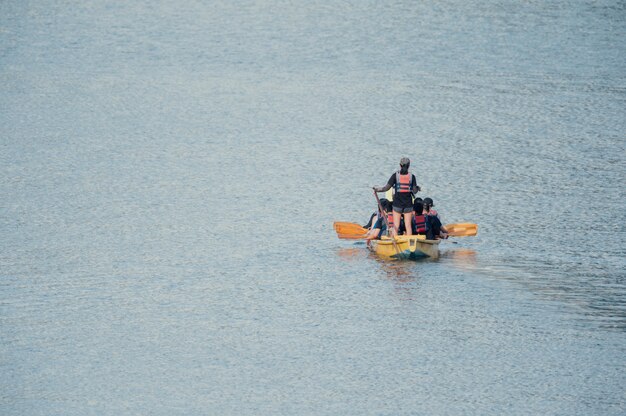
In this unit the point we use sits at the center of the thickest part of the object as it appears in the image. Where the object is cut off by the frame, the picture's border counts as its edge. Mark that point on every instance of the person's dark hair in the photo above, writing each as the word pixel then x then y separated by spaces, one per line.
pixel 383 204
pixel 418 207
pixel 405 162
pixel 418 199
pixel 429 202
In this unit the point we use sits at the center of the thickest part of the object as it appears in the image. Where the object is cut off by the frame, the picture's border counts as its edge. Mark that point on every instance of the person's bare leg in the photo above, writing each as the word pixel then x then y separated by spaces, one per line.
pixel 408 218
pixel 396 221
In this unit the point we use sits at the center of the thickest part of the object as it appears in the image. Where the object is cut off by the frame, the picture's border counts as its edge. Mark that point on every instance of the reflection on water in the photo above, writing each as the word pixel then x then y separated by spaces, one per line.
pixel 352 253
pixel 402 274
pixel 400 271
pixel 464 258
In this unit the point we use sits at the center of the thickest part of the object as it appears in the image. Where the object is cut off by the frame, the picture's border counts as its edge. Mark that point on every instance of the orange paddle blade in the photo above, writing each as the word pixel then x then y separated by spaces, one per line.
pixel 351 236
pixel 465 229
pixel 348 228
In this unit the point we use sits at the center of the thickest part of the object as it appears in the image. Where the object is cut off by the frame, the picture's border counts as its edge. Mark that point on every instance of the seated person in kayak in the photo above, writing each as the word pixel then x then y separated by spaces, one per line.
pixel 405 186
pixel 419 219
pixel 402 227
pixel 434 228
pixel 380 226
pixel 376 215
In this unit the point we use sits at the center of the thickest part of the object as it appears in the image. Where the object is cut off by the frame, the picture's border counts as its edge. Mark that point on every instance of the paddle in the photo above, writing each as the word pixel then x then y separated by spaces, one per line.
pixel 349 228
pixel 352 236
pixel 465 229
pixel 353 231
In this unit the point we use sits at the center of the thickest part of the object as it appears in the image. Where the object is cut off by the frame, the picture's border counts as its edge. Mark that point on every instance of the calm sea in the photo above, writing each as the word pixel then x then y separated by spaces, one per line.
pixel 170 172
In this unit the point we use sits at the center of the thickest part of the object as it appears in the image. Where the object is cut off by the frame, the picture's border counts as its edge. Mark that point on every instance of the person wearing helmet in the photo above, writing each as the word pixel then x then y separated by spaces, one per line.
pixel 419 219
pixel 428 207
pixel 405 186
pixel 434 228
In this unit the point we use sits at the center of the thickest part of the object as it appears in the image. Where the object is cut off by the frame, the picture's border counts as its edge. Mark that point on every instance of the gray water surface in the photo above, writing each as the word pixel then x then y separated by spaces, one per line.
pixel 170 172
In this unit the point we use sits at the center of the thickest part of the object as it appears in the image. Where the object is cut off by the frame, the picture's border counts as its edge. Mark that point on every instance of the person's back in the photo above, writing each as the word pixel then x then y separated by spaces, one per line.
pixel 405 185
pixel 419 219
pixel 434 228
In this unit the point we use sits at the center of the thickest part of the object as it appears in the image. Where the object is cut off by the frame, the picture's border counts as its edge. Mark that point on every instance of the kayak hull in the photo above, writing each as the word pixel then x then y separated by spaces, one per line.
pixel 407 247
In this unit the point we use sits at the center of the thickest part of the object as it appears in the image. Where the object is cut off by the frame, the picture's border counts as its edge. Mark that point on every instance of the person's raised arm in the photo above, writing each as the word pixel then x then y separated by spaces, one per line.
pixel 390 183
pixel 381 188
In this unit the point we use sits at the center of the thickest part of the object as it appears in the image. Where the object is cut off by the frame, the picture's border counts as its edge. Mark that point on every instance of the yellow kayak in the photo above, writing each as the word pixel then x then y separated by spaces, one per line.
pixel 406 247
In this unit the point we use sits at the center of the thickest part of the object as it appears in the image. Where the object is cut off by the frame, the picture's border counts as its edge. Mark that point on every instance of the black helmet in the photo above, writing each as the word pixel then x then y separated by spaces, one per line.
pixel 429 202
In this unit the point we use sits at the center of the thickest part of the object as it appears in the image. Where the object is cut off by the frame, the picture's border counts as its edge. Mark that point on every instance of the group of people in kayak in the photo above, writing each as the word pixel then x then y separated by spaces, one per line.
pixel 405 214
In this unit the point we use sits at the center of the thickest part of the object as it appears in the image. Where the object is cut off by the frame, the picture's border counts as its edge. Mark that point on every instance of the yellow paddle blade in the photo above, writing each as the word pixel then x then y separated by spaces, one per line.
pixel 465 229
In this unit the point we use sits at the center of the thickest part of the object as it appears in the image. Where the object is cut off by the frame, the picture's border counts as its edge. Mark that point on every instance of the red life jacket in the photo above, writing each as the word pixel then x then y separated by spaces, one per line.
pixel 404 183
pixel 420 224
pixel 432 212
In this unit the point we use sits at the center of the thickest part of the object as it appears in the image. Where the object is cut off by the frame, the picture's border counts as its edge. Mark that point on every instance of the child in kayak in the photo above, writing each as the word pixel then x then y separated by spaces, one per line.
pixel 380 226
pixel 434 228
pixel 376 215
pixel 419 219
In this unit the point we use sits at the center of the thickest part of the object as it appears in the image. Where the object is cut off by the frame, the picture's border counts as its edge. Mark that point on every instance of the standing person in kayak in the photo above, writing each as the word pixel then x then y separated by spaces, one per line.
pixel 405 186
